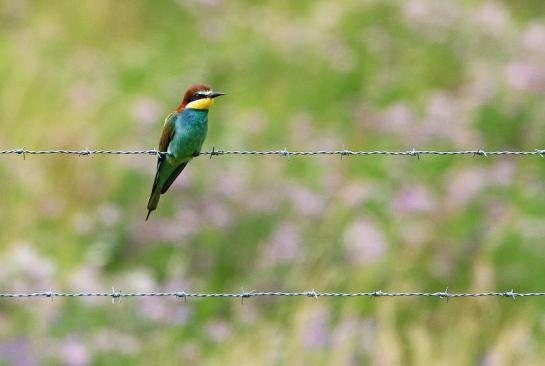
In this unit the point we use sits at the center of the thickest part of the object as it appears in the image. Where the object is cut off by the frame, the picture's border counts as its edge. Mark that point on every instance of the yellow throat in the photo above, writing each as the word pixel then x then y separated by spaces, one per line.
pixel 201 104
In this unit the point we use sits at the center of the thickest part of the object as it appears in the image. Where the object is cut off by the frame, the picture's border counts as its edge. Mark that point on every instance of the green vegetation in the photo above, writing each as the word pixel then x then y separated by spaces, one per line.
pixel 301 75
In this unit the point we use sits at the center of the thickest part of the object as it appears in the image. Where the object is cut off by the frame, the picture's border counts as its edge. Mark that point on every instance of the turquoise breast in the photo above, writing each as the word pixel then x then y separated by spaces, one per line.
pixel 190 130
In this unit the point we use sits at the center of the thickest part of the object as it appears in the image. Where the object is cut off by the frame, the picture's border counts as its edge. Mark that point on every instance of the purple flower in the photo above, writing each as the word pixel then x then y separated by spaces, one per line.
pixel 364 242
pixel 354 194
pixel 17 352
pixel 533 38
pixel 283 246
pixel 315 334
pixel 412 200
pixel 463 186
pixel 73 352
pixel 218 331
pixel 492 17
pixel 109 214
pixel 525 76
pixel 163 312
pixel 146 111
pixel 25 269
pixel 108 340
pixel 217 214
pixel 305 201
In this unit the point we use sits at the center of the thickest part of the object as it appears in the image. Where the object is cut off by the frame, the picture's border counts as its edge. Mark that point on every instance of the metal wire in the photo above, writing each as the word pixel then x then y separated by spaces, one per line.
pixel 284 152
pixel 250 294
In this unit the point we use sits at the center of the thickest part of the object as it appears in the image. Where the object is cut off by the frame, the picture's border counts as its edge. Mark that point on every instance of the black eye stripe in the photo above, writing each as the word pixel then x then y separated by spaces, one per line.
pixel 197 96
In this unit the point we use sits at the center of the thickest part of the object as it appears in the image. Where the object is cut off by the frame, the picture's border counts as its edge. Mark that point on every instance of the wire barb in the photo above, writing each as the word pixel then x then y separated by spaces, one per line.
pixel 21 152
pixel 50 294
pixel 511 294
pixel 245 295
pixel 344 152
pixel 444 294
pixel 182 294
pixel 480 152
pixel 116 296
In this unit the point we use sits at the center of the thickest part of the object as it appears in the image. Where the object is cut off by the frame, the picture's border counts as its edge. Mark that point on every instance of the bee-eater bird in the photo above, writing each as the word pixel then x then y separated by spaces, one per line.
pixel 182 138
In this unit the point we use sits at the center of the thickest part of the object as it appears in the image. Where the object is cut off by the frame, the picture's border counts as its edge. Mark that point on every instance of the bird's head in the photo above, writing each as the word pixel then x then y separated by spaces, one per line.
pixel 199 97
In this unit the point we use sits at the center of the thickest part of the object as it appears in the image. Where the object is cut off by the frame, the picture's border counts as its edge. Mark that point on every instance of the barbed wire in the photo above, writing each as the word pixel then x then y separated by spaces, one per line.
pixel 115 295
pixel 284 152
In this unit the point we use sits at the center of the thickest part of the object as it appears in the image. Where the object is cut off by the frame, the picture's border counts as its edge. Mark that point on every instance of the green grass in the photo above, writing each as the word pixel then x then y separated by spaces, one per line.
pixel 303 75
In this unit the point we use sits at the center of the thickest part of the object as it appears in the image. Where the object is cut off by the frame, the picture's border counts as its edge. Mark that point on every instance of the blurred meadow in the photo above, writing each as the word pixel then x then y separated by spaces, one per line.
pixel 301 75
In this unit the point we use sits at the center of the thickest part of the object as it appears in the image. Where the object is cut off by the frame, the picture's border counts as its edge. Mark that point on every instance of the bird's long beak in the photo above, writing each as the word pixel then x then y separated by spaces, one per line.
pixel 215 95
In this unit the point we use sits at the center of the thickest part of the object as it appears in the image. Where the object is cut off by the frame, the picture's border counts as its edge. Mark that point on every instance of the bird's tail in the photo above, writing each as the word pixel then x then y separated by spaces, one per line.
pixel 160 188
pixel 153 201
pixel 155 195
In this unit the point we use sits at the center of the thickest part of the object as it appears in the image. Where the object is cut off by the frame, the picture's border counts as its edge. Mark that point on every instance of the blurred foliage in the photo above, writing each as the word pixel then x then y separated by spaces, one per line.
pixel 302 75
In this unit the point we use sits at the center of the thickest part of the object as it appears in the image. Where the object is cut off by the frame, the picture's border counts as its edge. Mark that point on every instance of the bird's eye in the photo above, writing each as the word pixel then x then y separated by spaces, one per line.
pixel 201 94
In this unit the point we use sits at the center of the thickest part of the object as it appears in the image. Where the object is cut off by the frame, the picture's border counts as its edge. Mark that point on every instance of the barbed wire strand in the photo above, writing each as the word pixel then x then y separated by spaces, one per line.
pixel 284 152
pixel 114 295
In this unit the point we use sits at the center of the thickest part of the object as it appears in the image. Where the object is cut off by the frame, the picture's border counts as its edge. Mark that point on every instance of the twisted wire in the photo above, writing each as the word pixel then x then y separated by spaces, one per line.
pixel 284 152
pixel 250 294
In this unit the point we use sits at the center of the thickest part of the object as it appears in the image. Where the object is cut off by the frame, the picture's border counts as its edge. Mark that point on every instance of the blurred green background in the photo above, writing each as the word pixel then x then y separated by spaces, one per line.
pixel 301 75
